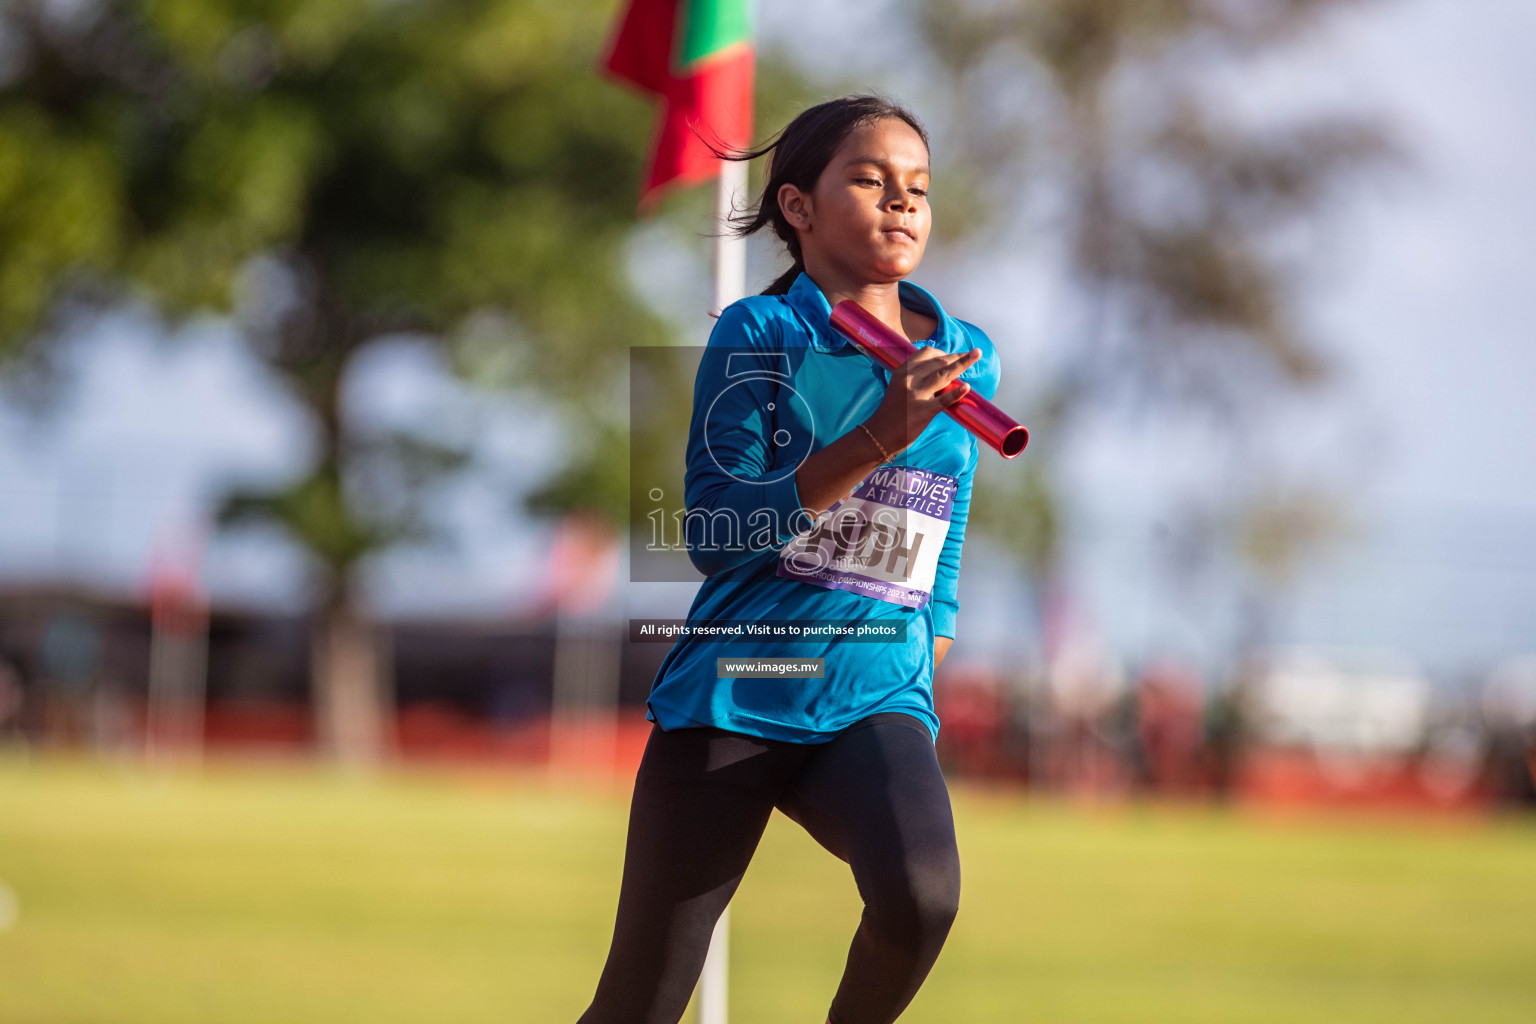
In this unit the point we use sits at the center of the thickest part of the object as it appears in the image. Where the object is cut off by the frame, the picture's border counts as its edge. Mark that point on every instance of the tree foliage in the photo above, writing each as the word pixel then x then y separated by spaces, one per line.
pixel 1178 221
pixel 328 172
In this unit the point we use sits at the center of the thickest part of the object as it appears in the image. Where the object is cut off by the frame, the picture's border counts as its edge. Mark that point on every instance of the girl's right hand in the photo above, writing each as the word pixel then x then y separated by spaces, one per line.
pixel 912 400
pixel 913 397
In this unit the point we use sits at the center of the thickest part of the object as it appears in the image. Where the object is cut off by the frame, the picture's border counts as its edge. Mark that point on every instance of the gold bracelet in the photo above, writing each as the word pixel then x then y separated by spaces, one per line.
pixel 885 456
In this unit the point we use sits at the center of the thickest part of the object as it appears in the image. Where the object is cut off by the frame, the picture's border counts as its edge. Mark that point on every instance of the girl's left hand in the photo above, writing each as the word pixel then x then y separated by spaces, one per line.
pixel 940 648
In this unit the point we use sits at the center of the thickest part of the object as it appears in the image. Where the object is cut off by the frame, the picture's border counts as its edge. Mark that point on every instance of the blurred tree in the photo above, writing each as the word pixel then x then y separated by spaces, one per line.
pixel 327 172
pixel 1114 135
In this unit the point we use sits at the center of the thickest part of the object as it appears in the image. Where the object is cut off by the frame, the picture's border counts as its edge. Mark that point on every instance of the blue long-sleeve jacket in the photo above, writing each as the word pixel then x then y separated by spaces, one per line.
pixel 775 383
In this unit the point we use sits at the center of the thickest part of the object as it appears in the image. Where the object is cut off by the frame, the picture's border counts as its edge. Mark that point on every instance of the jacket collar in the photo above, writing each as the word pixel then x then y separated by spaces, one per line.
pixel 807 300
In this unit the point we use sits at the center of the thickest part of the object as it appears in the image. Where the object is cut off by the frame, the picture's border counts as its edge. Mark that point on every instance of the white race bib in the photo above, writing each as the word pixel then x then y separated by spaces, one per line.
pixel 883 541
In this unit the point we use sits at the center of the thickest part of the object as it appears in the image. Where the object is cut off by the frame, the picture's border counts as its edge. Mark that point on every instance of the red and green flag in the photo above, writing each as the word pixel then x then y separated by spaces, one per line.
pixel 696 57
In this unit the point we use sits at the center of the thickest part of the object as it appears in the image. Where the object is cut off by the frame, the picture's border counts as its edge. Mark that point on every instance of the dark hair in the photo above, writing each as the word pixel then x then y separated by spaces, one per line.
pixel 800 152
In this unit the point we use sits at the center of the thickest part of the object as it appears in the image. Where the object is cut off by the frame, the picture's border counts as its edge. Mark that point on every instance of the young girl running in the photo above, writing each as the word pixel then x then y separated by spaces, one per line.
pixel 791 420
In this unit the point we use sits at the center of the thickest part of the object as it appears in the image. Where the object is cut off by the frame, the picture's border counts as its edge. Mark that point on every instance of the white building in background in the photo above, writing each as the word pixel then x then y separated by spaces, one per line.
pixel 1368 703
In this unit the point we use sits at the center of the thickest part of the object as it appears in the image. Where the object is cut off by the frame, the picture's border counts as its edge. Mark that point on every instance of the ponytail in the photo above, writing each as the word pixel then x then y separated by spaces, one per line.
pixel 785 281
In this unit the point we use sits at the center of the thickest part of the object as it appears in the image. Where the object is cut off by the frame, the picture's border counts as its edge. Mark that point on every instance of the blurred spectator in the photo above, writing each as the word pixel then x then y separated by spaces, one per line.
pixel 1509 713
pixel 13 698
pixel 972 710
pixel 1169 706
pixel 69 657
pixel 1228 731
pixel 1452 760
pixel 112 728
pixel 1087 687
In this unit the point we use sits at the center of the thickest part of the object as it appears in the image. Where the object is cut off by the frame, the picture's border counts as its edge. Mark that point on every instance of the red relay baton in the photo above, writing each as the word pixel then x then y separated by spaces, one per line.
pixel 989 423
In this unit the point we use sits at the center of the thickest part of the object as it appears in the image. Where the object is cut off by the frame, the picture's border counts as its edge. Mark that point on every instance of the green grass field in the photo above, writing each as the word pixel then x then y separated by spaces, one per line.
pixel 294 895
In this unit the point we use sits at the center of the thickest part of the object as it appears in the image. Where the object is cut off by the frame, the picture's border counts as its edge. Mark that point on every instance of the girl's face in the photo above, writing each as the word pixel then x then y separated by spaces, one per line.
pixel 867 215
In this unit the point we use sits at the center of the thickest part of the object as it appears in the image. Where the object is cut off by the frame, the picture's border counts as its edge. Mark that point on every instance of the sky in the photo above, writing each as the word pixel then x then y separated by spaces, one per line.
pixel 1427 306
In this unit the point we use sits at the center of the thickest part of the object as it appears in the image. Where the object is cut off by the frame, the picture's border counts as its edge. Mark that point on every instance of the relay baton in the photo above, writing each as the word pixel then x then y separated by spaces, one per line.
pixel 889 349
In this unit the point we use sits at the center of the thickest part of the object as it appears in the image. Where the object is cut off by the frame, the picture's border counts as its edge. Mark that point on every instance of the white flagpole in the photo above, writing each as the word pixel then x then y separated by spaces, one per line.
pixel 730 285
pixel 730 249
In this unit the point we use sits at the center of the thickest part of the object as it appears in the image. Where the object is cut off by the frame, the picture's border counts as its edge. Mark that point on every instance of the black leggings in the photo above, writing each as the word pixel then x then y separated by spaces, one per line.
pixel 873 795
